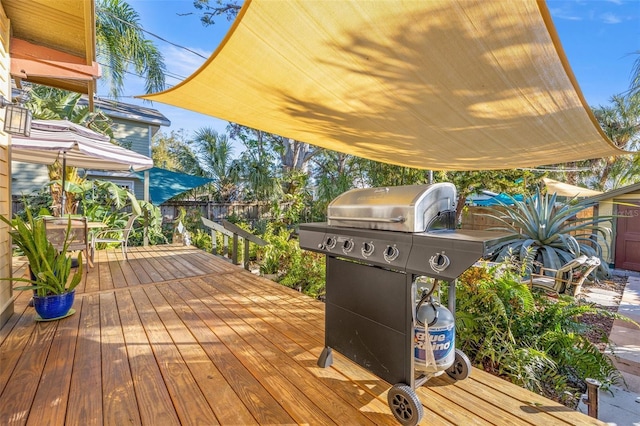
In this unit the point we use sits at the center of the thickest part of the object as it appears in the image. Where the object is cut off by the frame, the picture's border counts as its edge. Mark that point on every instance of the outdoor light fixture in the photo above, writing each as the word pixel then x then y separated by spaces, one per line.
pixel 17 119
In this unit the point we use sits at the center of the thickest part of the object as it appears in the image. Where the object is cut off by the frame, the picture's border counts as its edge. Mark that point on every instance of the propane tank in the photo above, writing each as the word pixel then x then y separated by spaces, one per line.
pixel 441 334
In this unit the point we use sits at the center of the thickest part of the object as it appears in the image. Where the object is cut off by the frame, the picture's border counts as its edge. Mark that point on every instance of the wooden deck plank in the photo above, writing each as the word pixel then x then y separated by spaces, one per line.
pixel 85 391
pixel 170 257
pixel 120 406
pixel 18 331
pixel 207 328
pixel 104 268
pixel 300 305
pixel 181 257
pixel 20 390
pixel 131 276
pixel 176 336
pixel 51 397
pixel 358 398
pixel 487 412
pixel 454 415
pixel 113 271
pixel 135 273
pixel 530 402
pixel 210 381
pixel 91 281
pixel 154 402
pixel 203 260
pixel 188 401
pixel 261 340
pixel 138 259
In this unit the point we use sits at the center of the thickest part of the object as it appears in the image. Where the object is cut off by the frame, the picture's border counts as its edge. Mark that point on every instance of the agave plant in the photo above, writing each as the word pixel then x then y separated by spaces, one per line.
pixel 548 232
pixel 50 268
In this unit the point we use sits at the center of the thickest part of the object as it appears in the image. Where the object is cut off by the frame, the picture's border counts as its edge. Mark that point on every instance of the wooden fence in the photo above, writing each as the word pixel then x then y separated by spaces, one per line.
pixel 247 212
pixel 474 217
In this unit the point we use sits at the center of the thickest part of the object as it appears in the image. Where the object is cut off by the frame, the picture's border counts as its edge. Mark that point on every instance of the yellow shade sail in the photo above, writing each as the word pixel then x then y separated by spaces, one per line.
pixel 438 84
pixel 568 190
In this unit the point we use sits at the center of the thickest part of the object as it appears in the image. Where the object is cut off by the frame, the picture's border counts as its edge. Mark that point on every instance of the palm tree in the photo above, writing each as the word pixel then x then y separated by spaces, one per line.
pixel 634 87
pixel 215 153
pixel 121 44
pixel 620 122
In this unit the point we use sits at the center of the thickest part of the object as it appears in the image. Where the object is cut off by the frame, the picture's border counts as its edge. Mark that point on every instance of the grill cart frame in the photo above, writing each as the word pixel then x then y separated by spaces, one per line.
pixel 373 261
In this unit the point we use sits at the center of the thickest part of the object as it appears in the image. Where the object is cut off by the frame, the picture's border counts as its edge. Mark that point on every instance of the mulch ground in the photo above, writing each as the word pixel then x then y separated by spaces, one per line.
pixel 600 326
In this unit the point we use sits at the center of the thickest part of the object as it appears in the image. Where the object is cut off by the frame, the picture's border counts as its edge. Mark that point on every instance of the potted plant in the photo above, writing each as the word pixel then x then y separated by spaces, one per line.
pixel 51 281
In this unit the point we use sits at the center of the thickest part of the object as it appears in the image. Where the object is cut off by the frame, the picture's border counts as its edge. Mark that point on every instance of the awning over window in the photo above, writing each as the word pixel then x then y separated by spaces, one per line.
pixel 452 85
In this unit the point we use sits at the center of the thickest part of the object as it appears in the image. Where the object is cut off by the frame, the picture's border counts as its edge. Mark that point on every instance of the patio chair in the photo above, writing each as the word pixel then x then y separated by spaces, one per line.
pixel 56 228
pixel 579 278
pixel 107 236
pixel 557 280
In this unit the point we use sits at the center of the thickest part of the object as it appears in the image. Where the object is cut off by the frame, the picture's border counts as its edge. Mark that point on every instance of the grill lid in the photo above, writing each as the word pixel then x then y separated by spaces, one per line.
pixel 409 208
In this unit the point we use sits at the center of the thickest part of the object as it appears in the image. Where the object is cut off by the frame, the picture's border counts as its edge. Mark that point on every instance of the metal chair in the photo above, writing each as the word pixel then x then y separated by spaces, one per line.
pixel 570 276
pixel 106 236
pixel 78 238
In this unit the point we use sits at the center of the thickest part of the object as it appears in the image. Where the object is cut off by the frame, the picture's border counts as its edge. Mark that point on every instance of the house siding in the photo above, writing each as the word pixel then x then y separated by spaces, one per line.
pixel 132 135
pixel 6 296
pixel 609 207
pixel 136 137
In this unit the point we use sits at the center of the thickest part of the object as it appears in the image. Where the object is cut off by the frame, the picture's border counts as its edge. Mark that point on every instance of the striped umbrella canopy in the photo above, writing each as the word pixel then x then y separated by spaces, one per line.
pixel 74 145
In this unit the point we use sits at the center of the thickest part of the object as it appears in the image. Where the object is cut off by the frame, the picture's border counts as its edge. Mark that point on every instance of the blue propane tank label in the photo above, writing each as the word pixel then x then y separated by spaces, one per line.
pixel 442 342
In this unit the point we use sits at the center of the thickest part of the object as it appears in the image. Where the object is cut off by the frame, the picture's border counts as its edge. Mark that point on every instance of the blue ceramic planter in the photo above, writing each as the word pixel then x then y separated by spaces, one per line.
pixel 53 306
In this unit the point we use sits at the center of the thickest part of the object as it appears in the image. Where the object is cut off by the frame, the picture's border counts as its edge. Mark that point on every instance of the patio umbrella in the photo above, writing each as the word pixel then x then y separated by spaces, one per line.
pixel 76 146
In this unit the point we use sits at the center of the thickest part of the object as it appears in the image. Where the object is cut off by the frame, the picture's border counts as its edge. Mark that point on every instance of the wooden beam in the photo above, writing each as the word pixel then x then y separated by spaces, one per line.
pixel 28 59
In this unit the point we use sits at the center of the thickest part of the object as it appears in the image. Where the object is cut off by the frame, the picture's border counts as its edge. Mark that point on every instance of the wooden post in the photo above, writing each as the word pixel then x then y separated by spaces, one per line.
pixel 214 242
pixel 591 401
pixel 246 253
pixel 234 255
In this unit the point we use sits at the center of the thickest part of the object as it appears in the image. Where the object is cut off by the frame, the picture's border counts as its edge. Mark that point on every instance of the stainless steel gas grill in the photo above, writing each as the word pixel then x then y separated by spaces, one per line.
pixel 380 243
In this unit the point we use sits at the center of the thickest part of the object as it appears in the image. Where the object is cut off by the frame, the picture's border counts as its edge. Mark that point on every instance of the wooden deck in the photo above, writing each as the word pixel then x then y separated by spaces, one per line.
pixel 178 336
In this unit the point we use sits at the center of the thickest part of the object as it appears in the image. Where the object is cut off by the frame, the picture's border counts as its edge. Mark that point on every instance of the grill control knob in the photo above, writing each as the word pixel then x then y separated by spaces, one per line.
pixel 330 242
pixel 391 253
pixel 367 249
pixel 439 262
pixel 347 246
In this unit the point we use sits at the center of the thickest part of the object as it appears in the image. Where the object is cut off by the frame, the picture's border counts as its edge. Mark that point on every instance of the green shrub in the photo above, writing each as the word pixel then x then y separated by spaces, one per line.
pixel 276 256
pixel 306 272
pixel 534 341
pixel 202 240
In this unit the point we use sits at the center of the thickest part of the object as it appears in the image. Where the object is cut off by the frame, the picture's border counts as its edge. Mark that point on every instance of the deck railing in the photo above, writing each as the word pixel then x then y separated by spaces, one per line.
pixel 229 230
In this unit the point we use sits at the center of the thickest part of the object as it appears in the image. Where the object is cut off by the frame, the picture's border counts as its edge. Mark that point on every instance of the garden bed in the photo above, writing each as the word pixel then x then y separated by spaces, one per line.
pixel 600 325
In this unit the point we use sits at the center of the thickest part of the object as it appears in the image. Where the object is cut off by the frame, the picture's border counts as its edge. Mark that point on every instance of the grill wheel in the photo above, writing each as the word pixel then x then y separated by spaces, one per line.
pixel 404 404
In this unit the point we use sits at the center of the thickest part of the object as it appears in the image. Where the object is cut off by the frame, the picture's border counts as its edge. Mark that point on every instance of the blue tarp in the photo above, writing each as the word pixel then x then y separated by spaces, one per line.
pixel 164 184
pixel 499 199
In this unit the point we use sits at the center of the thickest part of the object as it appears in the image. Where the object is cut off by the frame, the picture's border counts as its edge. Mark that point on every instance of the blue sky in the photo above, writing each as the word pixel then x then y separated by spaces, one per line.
pixel 599 38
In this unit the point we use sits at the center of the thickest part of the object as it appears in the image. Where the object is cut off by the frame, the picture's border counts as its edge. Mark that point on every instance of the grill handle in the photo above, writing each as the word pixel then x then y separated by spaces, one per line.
pixel 399 219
